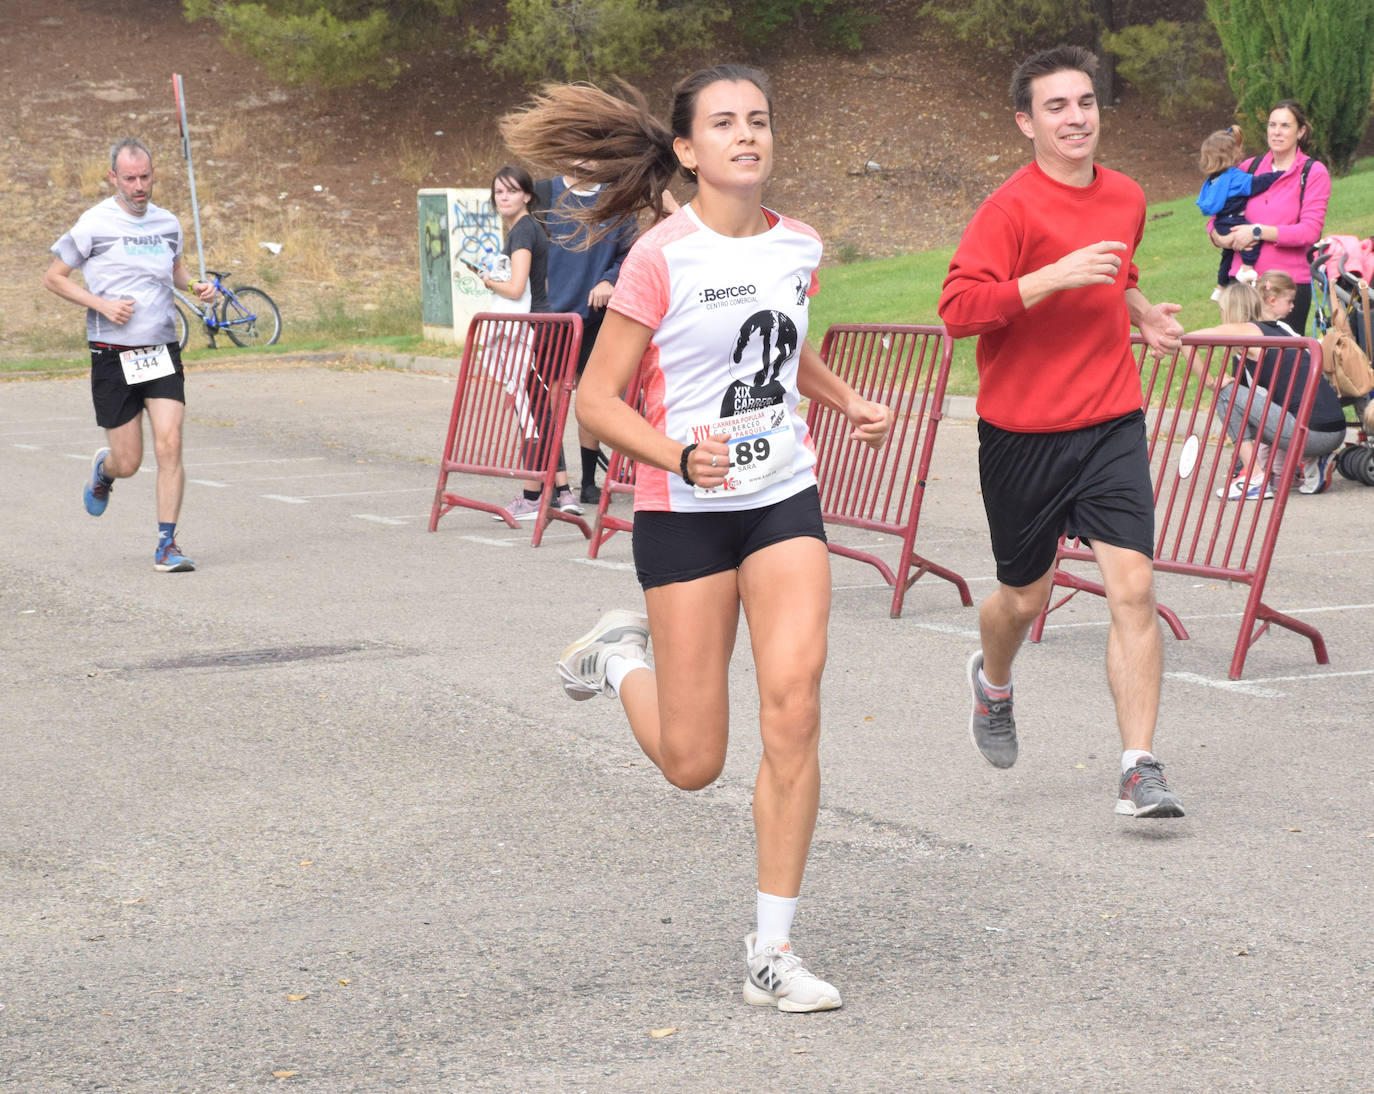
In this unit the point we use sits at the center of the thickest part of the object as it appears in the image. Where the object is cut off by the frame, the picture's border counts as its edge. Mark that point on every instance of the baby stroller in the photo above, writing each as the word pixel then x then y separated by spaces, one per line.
pixel 1342 267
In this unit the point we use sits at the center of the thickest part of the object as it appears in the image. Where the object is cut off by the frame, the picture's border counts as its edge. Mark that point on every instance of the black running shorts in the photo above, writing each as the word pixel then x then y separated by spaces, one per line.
pixel 672 547
pixel 1092 484
pixel 117 401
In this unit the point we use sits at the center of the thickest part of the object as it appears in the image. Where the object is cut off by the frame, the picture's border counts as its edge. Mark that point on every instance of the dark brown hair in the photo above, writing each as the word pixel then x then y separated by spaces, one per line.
pixel 1299 115
pixel 612 139
pixel 516 176
pixel 1045 63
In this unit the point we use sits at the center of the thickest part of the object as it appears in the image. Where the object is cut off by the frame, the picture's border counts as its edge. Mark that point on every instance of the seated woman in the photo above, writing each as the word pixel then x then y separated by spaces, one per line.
pixel 1284 374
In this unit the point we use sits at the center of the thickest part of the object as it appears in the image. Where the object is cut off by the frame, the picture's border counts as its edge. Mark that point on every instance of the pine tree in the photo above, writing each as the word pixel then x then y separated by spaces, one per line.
pixel 1317 52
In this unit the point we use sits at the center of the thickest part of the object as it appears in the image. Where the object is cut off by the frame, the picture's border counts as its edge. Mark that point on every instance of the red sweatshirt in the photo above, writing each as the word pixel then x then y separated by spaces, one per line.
pixel 1066 363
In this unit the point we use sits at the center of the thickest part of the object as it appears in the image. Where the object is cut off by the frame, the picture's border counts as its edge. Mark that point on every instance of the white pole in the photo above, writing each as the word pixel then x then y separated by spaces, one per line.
pixel 190 168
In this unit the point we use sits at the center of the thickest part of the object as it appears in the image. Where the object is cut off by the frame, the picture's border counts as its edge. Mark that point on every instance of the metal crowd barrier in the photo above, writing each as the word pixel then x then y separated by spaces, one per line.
pixel 510 407
pixel 1196 532
pixel 906 368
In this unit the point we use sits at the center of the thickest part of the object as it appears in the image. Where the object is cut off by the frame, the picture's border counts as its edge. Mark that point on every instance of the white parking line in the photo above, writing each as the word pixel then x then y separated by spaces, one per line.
pixel 489 541
pixel 295 478
pixel 34 432
pixel 350 494
pixel 1257 686
pixel 602 564
pixel 1221 615
pixel 283 497
pixel 210 482
pixel 1239 687
pixel 378 520
pixel 240 463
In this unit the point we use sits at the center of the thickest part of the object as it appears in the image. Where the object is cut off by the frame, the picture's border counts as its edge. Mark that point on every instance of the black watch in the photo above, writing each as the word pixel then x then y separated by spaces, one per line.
pixel 1257 231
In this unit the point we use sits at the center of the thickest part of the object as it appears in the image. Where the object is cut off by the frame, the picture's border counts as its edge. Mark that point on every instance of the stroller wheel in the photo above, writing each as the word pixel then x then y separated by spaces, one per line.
pixel 1364 466
pixel 1345 464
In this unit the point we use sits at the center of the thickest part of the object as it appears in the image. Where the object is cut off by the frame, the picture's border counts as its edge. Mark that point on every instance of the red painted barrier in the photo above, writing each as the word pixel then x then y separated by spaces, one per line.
pixel 619 481
pixel 905 368
pixel 509 410
pixel 1197 532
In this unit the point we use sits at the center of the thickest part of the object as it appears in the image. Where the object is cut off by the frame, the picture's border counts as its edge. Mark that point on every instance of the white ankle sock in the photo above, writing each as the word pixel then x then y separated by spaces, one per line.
pixel 1133 756
pixel 995 690
pixel 774 918
pixel 618 666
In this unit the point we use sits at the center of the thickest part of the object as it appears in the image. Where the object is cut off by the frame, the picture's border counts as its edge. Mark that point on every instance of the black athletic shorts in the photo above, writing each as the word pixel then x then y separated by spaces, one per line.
pixel 671 547
pixel 1091 483
pixel 116 401
pixel 591 327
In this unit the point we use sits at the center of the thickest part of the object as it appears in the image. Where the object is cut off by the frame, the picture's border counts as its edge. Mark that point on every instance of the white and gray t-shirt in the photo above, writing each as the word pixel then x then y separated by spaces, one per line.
pixel 123 256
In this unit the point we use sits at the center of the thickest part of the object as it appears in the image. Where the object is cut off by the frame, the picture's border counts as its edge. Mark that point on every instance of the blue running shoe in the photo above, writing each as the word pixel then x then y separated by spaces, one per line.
pixel 169 559
pixel 97 492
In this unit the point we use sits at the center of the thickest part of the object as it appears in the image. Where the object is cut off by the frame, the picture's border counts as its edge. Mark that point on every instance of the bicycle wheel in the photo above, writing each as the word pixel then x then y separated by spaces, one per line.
pixel 183 327
pixel 249 317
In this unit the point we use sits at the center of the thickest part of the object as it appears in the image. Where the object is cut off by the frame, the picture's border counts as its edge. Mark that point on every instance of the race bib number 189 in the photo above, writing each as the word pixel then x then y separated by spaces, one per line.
pixel 146 363
pixel 761 448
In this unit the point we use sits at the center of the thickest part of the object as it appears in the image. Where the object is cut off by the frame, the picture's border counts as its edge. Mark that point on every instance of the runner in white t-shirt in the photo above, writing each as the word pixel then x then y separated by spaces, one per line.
pixel 712 305
pixel 129 252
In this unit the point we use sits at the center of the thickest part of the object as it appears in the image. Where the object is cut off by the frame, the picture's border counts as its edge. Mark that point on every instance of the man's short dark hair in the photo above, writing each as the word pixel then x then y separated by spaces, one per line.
pixel 127 144
pixel 1048 61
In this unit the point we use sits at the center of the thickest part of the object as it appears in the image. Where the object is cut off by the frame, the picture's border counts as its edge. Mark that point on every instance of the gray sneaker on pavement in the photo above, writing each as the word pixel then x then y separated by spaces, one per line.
pixel 1145 793
pixel 582 668
pixel 991 724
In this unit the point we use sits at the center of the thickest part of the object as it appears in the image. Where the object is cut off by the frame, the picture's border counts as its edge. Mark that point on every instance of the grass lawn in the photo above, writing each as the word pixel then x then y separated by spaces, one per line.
pixel 1175 261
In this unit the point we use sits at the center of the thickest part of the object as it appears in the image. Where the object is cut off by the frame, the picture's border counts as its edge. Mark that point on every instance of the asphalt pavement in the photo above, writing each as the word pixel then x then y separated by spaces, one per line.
pixel 319 816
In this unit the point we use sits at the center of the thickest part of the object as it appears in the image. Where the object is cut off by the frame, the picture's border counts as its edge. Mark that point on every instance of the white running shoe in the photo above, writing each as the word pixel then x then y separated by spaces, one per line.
pixel 778 978
pixel 582 668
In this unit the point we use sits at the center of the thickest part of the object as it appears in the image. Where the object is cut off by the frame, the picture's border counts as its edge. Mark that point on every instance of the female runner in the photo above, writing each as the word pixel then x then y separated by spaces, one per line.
pixel 713 301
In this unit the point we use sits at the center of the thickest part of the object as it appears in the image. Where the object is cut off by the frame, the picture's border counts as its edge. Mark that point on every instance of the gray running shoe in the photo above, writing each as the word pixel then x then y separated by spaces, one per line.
pixel 582 668
pixel 991 724
pixel 777 978
pixel 1145 793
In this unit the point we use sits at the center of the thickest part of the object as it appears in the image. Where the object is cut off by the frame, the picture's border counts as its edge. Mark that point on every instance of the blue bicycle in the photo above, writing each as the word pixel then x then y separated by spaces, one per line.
pixel 247 315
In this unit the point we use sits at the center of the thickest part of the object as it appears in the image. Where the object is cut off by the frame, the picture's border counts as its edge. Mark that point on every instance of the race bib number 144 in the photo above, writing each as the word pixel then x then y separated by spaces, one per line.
pixel 761 448
pixel 147 363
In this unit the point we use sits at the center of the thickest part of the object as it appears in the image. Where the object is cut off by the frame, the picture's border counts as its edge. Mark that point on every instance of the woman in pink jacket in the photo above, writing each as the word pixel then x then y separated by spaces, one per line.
pixel 1288 217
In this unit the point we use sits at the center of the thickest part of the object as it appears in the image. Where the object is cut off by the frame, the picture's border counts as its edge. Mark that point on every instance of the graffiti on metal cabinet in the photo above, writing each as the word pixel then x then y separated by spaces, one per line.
pixel 476 231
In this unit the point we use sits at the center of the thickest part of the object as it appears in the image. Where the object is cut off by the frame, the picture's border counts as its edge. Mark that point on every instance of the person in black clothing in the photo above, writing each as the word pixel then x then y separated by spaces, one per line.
pixel 1260 423
pixel 526 289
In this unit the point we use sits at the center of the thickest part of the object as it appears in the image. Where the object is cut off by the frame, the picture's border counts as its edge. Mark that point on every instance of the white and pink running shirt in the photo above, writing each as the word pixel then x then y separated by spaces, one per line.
pixel 124 256
pixel 729 318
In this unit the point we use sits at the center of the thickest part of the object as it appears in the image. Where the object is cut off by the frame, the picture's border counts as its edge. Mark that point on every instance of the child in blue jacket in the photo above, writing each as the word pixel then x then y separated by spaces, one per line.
pixel 1224 194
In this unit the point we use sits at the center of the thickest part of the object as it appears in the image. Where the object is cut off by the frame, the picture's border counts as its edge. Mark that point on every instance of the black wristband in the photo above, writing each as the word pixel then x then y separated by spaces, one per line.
pixel 687 451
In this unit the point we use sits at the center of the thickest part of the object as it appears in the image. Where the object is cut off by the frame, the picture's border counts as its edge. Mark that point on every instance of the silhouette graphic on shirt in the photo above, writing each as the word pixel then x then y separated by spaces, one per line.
pixel 777 336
